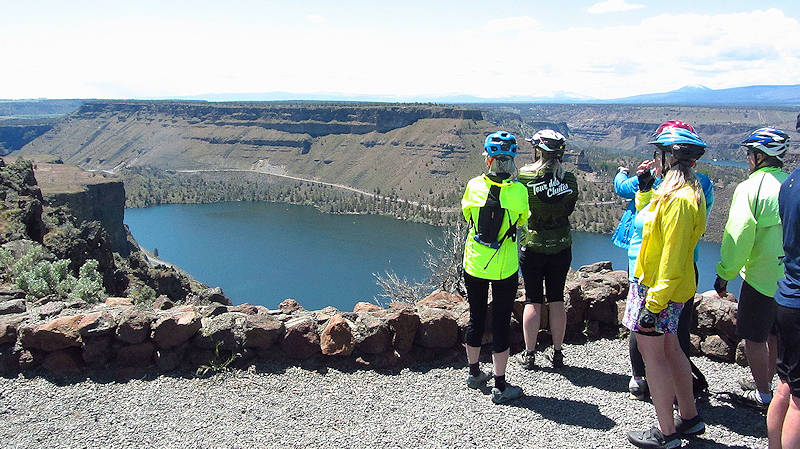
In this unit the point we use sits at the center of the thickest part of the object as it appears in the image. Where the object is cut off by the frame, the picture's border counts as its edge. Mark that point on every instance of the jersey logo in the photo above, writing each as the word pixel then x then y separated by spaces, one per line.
pixel 551 188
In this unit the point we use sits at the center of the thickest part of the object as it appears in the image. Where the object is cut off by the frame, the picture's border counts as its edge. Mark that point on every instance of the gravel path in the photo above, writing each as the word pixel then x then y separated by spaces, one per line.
pixel 275 405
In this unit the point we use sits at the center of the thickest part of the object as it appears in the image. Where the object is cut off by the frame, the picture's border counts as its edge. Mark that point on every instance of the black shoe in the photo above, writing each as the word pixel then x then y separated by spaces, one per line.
pixel 690 427
pixel 526 359
pixel 557 359
pixel 653 439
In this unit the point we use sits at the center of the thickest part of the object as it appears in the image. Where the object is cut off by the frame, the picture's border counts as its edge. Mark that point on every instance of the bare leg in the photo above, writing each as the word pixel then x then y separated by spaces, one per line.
pixel 758 357
pixel 473 354
pixel 531 317
pixel 777 413
pixel 681 373
pixel 790 437
pixel 659 379
pixel 499 361
pixel 558 323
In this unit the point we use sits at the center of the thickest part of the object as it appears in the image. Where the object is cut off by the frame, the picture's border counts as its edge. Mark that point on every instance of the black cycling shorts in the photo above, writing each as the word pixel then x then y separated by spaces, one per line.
pixel 544 272
pixel 755 319
pixel 787 323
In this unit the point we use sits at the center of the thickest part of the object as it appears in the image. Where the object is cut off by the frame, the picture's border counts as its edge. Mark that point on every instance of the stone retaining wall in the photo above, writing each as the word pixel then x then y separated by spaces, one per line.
pixel 70 339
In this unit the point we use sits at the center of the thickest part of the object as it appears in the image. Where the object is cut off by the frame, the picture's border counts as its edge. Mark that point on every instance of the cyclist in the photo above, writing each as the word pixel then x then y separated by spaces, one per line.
pixel 629 237
pixel 494 204
pixel 752 248
pixel 674 218
pixel 783 417
pixel 546 246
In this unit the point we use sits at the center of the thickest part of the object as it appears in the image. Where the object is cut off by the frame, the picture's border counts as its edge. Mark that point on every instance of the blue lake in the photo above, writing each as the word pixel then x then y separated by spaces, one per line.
pixel 263 253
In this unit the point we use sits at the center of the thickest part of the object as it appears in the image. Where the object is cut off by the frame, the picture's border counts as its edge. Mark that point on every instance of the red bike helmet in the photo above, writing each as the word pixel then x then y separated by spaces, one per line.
pixel 674 124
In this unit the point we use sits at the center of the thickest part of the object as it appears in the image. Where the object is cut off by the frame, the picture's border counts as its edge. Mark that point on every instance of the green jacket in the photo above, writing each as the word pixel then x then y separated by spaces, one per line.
pixel 752 244
pixel 480 260
pixel 551 202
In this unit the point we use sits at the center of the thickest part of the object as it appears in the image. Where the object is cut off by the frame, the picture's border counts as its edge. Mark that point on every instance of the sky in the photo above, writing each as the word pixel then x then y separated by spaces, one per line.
pixel 594 49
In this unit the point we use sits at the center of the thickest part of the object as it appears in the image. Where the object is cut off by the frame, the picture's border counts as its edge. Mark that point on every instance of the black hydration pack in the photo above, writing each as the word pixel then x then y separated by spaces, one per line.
pixel 490 220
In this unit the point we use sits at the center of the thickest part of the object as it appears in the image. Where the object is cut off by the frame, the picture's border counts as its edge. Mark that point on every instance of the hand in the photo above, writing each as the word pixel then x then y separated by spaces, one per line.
pixel 647 320
pixel 721 286
pixel 622 169
pixel 646 180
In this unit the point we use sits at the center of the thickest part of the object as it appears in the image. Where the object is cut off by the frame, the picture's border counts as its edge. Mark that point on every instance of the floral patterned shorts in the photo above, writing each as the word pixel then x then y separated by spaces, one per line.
pixel 668 318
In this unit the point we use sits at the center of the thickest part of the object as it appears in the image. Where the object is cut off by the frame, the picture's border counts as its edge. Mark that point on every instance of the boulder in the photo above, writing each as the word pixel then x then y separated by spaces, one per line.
pixel 442 300
pixel 248 309
pixel 290 305
pixel 12 306
pixel 300 340
pixel 437 329
pixel 403 324
pixel 55 335
pixel 716 315
pixel 373 335
pixel 215 295
pixel 362 306
pixel 175 328
pixel 597 267
pixel 96 352
pixel 213 310
pixel 8 328
pixel 96 324
pixel 116 301
pixel 50 309
pixel 741 355
pixel 262 331
pixel 63 363
pixel 694 341
pixel 134 326
pixel 163 303
pixel 135 355
pixel 226 329
pixel 337 337
pixel 576 306
pixel 716 348
pixel 11 293
pixel 604 310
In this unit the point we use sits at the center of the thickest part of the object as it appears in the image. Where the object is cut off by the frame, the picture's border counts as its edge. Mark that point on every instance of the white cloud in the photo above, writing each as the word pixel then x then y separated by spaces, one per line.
pixel 613 6
pixel 315 18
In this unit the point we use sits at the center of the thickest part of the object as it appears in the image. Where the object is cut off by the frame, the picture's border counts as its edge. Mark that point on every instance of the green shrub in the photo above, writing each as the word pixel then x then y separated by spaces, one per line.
pixel 38 277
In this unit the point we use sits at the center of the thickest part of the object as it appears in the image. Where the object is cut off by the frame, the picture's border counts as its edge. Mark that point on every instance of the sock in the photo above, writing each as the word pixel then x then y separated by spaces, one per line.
pixel 500 382
pixel 474 369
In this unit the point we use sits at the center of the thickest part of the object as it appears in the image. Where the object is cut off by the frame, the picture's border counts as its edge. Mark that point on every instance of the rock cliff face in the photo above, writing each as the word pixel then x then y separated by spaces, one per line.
pixel 88 196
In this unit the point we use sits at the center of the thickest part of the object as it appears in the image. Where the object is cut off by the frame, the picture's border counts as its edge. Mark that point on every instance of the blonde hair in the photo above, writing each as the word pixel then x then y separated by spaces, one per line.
pixel 675 178
pixel 548 163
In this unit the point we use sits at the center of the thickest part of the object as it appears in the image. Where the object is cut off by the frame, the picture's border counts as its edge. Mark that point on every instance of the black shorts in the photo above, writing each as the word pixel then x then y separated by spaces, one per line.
pixel 755 318
pixel 787 322
pixel 550 269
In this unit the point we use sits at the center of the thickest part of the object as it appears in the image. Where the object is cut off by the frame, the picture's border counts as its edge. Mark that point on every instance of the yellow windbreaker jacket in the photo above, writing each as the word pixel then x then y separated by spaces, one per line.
pixel 665 263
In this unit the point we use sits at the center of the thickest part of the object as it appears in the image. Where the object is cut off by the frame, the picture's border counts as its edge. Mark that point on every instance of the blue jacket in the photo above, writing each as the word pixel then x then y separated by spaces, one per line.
pixel 627 186
pixel 788 294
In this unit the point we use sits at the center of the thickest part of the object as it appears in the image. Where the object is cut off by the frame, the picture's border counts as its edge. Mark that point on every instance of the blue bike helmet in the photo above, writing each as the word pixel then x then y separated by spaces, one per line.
pixel 501 143
pixel 770 141
pixel 682 143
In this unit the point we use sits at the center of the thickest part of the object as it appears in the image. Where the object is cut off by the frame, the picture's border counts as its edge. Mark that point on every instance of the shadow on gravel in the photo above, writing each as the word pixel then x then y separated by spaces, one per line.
pixel 738 419
pixel 701 443
pixel 584 377
pixel 566 411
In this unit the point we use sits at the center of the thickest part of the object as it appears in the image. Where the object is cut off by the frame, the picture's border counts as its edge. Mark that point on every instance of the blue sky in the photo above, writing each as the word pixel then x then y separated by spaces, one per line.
pixel 600 49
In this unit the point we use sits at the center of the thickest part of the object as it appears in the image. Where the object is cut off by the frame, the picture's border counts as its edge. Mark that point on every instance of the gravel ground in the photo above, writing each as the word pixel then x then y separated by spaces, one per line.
pixel 584 405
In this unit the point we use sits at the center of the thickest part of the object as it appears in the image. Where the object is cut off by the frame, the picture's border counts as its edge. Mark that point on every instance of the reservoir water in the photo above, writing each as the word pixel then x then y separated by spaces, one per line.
pixel 263 253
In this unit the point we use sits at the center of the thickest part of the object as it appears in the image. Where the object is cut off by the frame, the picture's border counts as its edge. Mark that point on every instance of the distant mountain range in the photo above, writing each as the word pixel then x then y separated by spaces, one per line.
pixel 765 95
